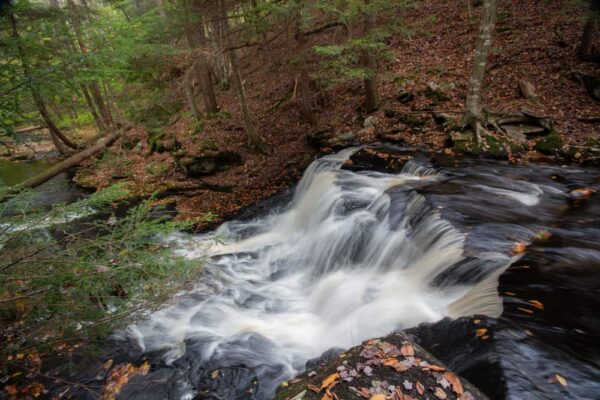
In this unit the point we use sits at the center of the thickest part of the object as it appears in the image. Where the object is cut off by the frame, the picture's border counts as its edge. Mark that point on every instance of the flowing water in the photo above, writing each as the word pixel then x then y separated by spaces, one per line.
pixel 356 254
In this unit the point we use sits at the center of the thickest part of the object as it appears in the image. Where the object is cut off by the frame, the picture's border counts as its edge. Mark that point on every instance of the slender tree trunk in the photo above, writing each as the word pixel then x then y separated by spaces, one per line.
pixel 304 79
pixel 94 87
pixel 588 36
pixel 486 31
pixel 37 98
pixel 90 104
pixel 372 98
pixel 255 141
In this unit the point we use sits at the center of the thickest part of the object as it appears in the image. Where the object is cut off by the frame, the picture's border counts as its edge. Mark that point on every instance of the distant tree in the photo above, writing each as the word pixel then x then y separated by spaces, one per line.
pixel 589 29
pixel 370 63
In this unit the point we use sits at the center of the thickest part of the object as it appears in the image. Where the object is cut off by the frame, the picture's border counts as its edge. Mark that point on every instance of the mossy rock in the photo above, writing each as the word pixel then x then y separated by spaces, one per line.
pixel 412 121
pixel 160 142
pixel 551 144
pixel 198 166
pixel 390 367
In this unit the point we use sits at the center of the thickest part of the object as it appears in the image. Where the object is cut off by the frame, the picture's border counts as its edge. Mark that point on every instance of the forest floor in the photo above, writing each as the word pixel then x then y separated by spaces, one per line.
pixel 535 41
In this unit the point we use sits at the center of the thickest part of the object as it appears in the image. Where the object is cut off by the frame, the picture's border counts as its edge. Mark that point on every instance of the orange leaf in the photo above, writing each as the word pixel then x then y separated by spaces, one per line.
pixel 537 304
pixel 420 388
pixel 327 396
pixel 519 248
pixel 407 350
pixel 454 380
pixel 329 380
pixel 390 362
pixel 314 388
pixel 379 396
pixel 526 310
pixel 435 368
pixel 480 332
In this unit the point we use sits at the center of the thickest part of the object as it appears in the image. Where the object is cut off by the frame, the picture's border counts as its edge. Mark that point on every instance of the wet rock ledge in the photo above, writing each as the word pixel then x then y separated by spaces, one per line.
pixel 391 368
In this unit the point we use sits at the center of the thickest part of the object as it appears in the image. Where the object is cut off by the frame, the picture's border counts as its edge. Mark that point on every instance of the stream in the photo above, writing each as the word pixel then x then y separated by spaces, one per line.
pixel 358 250
pixel 356 254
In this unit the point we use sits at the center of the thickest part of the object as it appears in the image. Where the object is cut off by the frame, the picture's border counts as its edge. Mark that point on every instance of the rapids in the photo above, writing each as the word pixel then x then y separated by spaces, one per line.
pixel 351 255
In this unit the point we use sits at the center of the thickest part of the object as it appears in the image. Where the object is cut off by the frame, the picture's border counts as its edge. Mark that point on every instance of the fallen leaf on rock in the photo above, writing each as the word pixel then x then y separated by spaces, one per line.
pixel 525 310
pixel 439 393
pixel 454 380
pixel 329 380
pixel 443 382
pixel 34 390
pixel 537 304
pixel 407 350
pixel 368 371
pixel 327 396
pixel 561 380
pixel 467 396
pixel 420 388
pixel 215 374
pixel 390 362
pixel 314 388
pixel 435 368
pixel 299 396
pixel 379 396
pixel 119 376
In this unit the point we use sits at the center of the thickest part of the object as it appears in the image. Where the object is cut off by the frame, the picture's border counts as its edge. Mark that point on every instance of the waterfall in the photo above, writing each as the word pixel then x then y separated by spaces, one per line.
pixel 354 255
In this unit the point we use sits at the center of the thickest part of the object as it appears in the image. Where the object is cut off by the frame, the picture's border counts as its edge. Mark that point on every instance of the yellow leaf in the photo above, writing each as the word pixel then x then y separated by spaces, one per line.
pixel 480 332
pixel 519 248
pixel 379 396
pixel 214 374
pixel 327 396
pixel 537 304
pixel 329 380
pixel 285 384
pixel 561 380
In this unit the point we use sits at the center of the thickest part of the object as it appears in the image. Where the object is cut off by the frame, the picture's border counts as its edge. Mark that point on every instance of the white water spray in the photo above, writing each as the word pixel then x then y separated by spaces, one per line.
pixel 345 262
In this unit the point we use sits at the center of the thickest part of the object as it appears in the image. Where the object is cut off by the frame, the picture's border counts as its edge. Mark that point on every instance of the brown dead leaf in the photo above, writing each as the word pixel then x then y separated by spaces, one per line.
pixel 454 380
pixel 214 374
pixel 420 388
pixel 327 396
pixel 407 350
pixel 34 390
pixel 561 380
pixel 439 393
pixel 537 304
pixel 525 310
pixel 329 380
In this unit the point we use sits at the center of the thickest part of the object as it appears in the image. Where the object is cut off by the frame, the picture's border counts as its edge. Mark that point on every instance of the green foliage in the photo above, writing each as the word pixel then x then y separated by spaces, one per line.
pixel 85 278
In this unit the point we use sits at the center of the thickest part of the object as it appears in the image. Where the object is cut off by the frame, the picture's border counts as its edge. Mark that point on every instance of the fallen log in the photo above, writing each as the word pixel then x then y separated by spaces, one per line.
pixel 70 162
pixel 30 129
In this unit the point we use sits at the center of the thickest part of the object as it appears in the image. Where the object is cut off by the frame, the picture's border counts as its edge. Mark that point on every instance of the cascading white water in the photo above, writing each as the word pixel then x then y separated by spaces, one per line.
pixel 344 262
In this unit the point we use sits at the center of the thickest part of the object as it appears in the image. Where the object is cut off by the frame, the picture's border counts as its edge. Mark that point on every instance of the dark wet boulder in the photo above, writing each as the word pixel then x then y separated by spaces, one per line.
pixel 197 166
pixel 592 85
pixel 393 367
pixel 382 159
pixel 324 358
pixel 405 97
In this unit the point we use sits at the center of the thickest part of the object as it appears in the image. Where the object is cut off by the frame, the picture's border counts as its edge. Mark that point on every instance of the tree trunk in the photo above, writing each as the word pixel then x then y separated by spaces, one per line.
pixel 37 98
pixel 161 8
pixel 70 162
pixel 86 94
pixel 255 141
pixel 189 95
pixel 196 40
pixel 588 35
pixel 304 83
pixel 372 98
pixel 486 30
pixel 94 87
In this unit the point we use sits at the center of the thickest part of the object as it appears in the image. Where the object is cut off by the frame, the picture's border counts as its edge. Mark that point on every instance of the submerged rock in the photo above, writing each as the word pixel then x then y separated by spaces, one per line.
pixel 394 367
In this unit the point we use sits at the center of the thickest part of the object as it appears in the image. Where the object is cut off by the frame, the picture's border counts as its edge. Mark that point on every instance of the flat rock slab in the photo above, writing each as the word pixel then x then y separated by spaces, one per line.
pixel 391 368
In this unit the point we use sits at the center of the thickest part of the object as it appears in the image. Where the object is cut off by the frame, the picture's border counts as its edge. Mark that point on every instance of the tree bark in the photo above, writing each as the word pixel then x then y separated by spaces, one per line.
pixel 86 95
pixel 486 30
pixel 588 35
pixel 372 98
pixel 189 95
pixel 94 87
pixel 304 83
pixel 255 141
pixel 37 98
pixel 70 162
